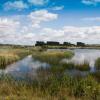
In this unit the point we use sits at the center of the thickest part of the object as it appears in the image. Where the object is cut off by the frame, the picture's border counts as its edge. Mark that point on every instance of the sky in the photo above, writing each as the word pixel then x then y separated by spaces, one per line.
pixel 27 21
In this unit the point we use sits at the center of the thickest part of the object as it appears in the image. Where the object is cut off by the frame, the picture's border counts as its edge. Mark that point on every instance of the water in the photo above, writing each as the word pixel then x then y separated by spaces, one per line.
pixel 85 55
pixel 27 68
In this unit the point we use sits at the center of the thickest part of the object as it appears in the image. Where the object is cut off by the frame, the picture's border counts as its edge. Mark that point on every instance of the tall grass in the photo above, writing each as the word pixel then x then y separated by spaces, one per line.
pixel 70 65
pixel 51 88
pixel 52 57
pixel 9 56
pixel 97 64
pixel 51 83
pixel 6 59
pixel 96 75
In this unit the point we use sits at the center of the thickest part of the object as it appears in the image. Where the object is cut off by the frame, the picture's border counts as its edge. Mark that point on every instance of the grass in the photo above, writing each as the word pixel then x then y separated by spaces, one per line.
pixel 51 88
pixel 8 56
pixel 83 67
pixel 71 65
pixel 52 57
pixel 96 75
pixel 51 83
pixel 97 64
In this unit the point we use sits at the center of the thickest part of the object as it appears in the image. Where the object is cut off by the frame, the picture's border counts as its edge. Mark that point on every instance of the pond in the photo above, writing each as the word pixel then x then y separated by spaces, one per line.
pixel 85 55
pixel 26 68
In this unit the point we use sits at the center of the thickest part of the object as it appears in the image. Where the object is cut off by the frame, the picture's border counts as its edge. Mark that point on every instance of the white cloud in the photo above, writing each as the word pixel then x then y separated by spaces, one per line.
pixel 90 2
pixel 72 33
pixel 8 25
pixel 58 8
pixel 19 5
pixel 38 2
pixel 41 16
pixel 20 30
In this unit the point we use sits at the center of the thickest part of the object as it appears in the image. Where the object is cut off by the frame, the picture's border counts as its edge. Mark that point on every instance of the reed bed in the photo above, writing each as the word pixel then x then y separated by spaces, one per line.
pixel 97 64
pixel 9 56
pixel 96 75
pixel 70 65
pixel 52 57
pixel 51 88
pixel 51 83
pixel 6 59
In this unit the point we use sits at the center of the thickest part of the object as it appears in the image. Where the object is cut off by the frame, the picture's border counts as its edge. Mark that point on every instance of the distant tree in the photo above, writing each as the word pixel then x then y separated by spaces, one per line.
pixel 67 44
pixel 40 43
pixel 80 44
pixel 52 43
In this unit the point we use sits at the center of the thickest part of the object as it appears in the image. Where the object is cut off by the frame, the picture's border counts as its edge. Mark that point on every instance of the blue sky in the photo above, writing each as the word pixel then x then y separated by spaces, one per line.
pixel 56 20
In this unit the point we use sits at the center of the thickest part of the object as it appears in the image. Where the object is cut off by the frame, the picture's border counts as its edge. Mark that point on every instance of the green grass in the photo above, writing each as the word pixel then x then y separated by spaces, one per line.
pixel 52 57
pixel 97 64
pixel 96 75
pixel 51 88
pixel 83 67
pixel 8 56
pixel 51 83
pixel 62 67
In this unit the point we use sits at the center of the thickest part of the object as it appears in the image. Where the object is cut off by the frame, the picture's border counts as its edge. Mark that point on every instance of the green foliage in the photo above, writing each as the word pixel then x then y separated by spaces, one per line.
pixel 83 67
pixel 97 64
pixel 8 56
pixel 52 57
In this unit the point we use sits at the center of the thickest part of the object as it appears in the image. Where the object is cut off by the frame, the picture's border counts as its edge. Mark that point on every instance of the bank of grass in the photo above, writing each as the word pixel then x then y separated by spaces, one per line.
pixel 96 75
pixel 63 87
pixel 97 64
pixel 9 56
pixel 52 57
pixel 70 65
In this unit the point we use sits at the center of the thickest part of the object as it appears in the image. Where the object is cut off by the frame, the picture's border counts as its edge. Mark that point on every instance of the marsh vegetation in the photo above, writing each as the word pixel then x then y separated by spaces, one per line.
pixel 97 64
pixel 52 82
pixel 9 56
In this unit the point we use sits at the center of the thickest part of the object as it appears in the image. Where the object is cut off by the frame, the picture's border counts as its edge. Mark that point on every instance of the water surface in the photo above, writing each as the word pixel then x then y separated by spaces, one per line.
pixel 85 55
pixel 27 68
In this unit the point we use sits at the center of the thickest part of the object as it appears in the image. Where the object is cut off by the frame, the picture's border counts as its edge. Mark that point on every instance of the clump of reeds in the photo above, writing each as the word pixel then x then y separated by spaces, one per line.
pixel 97 64
pixel 71 65
pixel 52 57
pixel 6 59
pixel 83 67
pixel 96 75
pixel 53 87
pixel 9 56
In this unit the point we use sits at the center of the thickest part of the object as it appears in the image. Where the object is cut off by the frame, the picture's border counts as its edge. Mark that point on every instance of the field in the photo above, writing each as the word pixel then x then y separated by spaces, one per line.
pixel 52 83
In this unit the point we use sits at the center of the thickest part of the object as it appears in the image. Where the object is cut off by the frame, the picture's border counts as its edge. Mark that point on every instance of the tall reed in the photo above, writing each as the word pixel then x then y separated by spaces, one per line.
pixel 97 64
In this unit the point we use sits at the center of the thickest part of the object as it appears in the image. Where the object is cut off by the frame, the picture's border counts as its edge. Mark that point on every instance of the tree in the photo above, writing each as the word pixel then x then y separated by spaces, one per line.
pixel 40 43
pixel 80 44
pixel 53 43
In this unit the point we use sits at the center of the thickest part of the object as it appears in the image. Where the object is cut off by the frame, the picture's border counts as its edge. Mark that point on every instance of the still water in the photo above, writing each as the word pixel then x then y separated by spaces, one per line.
pixel 86 55
pixel 27 67
pixel 23 69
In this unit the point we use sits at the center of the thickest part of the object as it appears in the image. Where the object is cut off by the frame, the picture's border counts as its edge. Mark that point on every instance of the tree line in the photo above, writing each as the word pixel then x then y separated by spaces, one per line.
pixel 54 43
